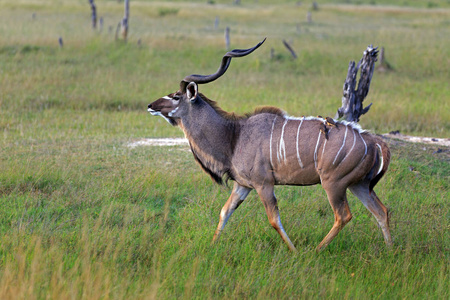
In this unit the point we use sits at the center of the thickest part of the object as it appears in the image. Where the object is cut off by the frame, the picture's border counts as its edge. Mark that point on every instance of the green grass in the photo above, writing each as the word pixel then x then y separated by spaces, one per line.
pixel 85 216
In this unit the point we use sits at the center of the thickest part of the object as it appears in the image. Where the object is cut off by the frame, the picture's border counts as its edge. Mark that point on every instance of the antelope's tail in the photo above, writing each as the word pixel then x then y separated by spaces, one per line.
pixel 381 163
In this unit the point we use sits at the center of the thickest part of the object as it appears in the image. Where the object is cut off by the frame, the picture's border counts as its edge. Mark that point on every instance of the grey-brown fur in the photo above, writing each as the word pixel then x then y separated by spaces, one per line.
pixel 267 148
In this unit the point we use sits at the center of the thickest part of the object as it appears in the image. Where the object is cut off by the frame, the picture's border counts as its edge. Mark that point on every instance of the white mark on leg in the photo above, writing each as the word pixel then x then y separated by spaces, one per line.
pixel 242 192
pixel 298 153
pixel 343 143
pixel 354 142
pixel 271 134
pixel 282 144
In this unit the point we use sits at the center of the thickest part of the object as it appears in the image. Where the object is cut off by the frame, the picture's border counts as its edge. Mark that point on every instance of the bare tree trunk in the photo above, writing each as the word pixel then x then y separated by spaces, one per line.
pixel 93 14
pixel 227 38
pixel 124 23
pixel 216 23
pixel 352 100
pixel 309 17
pixel 383 64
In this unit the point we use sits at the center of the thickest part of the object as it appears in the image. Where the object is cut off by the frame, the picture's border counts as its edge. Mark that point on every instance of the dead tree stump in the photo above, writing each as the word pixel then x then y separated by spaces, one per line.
pixel 383 64
pixel 352 100
pixel 227 38
pixel 123 24
pixel 93 14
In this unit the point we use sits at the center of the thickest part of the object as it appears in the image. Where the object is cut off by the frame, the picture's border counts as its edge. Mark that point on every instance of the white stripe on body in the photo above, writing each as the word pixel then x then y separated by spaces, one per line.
pixel 354 142
pixel 282 148
pixel 343 144
pixel 381 164
pixel 365 146
pixel 324 144
pixel 298 153
pixel 271 134
pixel 315 151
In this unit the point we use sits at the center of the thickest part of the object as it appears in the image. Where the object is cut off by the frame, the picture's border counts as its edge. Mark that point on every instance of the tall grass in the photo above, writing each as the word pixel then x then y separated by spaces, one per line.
pixel 85 216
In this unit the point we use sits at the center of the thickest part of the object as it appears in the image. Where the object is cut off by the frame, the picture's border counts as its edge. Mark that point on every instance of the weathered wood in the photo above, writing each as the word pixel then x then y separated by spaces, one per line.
pixel 227 38
pixel 309 17
pixel 123 24
pixel 216 23
pixel 93 14
pixel 100 24
pixel 286 44
pixel 383 64
pixel 352 100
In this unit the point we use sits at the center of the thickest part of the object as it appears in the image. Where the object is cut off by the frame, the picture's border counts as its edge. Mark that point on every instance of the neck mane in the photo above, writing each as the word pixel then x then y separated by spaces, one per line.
pixel 235 117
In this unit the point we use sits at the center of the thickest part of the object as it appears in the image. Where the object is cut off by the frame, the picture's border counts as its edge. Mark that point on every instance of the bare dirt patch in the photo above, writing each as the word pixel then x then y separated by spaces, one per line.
pixel 418 139
pixel 159 142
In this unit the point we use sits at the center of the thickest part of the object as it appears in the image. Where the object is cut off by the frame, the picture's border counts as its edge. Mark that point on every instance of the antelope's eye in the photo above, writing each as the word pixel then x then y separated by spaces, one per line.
pixel 176 97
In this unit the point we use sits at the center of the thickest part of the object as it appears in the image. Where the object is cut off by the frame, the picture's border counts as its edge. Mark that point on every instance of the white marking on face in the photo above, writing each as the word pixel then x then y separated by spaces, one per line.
pixel 297 145
pixel 381 163
pixel 158 113
pixel 271 134
pixel 282 144
pixel 167 98
pixel 343 143
pixel 173 111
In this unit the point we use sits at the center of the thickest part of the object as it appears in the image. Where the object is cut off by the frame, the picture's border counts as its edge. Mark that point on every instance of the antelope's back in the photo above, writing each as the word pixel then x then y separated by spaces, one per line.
pixel 303 151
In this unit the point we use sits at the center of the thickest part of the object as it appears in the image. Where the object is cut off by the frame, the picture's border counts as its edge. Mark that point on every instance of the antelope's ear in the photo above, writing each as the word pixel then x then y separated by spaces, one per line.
pixel 192 91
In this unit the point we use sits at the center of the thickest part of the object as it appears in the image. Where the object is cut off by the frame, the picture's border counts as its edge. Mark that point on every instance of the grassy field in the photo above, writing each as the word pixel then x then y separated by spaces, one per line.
pixel 84 216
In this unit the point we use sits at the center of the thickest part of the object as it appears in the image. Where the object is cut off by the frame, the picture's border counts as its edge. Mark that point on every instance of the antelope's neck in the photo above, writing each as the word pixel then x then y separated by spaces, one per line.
pixel 212 140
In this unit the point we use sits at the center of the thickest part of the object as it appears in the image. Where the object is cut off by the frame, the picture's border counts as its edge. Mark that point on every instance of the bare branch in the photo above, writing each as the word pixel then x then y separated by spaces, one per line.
pixel 352 100
pixel 290 49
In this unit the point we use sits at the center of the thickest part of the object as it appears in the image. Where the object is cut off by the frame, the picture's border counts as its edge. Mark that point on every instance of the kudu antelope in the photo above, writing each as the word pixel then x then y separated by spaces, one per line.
pixel 267 148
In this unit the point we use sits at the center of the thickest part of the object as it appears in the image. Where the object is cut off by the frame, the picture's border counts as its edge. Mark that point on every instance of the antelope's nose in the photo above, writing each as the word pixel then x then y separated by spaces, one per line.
pixel 150 106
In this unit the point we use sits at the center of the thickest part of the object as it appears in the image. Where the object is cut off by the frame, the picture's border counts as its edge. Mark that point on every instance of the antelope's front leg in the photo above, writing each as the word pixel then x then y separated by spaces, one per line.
pixel 267 196
pixel 237 196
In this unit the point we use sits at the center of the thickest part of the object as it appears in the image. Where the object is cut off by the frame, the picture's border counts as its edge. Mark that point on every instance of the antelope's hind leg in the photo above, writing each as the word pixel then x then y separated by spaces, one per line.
pixel 342 215
pixel 374 205
pixel 237 196
pixel 270 204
